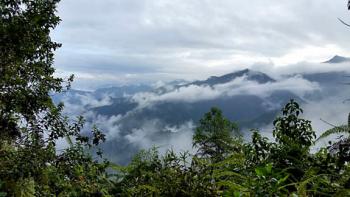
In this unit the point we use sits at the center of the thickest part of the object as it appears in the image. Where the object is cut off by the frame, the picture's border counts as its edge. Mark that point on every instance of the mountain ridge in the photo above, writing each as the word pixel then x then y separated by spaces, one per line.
pixel 337 59
pixel 251 75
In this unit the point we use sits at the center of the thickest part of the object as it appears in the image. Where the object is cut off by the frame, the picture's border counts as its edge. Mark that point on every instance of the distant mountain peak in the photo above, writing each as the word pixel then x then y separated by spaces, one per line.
pixel 250 74
pixel 337 59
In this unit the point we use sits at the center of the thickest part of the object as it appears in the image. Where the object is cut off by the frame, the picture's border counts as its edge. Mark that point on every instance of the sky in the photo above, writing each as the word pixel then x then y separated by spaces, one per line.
pixel 116 42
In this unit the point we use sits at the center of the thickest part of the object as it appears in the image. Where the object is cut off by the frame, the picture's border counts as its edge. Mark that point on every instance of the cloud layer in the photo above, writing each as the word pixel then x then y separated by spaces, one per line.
pixel 239 86
pixel 131 41
pixel 130 132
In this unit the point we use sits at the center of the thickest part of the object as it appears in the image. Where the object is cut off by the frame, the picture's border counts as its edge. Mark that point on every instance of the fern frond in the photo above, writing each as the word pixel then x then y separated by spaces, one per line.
pixel 336 130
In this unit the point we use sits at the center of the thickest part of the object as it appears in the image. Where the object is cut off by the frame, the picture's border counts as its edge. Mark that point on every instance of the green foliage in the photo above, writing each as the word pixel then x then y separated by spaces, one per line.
pixel 225 165
pixel 257 168
pixel 260 149
pixel 26 58
pixel 30 123
pixel 169 175
pixel 290 129
pixel 213 137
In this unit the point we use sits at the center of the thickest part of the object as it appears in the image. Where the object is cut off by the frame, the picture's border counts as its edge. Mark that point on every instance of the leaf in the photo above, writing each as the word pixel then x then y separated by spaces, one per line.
pixel 282 179
pixel 268 168
pixel 260 171
pixel 335 130
pixel 69 141
pixel 228 173
pixel 25 188
pixel 232 185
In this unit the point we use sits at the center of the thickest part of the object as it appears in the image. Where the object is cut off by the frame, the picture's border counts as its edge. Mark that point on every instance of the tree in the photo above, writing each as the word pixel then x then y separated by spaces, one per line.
pixel 291 129
pixel 30 123
pixel 294 136
pixel 26 58
pixel 214 136
pixel 150 174
pixel 261 167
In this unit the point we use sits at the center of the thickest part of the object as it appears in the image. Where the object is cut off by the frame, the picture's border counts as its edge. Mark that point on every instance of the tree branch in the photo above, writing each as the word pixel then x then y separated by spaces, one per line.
pixel 343 22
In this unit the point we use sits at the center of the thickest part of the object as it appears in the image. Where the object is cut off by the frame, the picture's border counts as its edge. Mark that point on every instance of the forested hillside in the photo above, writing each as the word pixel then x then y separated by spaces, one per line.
pixel 224 164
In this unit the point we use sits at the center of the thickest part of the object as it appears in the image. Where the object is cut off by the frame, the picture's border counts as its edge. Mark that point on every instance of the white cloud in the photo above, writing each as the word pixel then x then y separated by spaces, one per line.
pixel 76 103
pixel 309 53
pixel 331 110
pixel 131 40
pixel 144 133
pixel 238 86
pixel 154 133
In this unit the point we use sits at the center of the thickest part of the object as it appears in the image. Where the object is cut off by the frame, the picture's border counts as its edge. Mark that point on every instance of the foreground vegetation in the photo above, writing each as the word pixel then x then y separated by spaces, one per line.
pixel 224 165
pixel 227 166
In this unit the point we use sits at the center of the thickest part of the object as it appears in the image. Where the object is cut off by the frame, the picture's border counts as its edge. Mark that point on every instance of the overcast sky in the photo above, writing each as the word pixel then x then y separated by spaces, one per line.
pixel 133 41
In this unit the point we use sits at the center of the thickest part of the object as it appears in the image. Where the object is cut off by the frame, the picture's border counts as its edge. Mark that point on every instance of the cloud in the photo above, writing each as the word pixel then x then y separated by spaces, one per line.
pixel 191 39
pixel 77 103
pixel 109 125
pixel 330 110
pixel 165 137
pixel 123 140
pixel 128 133
pixel 280 72
pixel 239 86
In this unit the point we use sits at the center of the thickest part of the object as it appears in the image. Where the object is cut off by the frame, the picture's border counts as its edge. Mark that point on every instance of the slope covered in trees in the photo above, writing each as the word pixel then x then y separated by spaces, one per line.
pixel 224 165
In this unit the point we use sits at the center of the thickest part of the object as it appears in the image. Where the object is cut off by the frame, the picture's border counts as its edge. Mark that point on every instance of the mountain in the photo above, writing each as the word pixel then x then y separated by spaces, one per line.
pixel 118 106
pixel 166 121
pixel 242 107
pixel 337 59
pixel 79 97
pixel 332 83
pixel 251 76
pixel 249 110
pixel 182 110
pixel 216 80
pixel 120 91
pixel 328 78
pixel 138 117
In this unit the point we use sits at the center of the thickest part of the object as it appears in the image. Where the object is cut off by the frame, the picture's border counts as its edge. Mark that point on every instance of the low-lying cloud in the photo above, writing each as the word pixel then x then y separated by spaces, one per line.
pixel 239 86
pixel 128 133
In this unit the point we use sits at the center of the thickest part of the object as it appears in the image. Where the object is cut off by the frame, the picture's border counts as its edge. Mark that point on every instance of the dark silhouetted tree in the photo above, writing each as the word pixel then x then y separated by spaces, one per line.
pixel 214 135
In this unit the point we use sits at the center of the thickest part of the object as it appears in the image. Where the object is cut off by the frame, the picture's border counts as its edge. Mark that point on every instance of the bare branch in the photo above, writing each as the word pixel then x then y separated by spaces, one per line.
pixel 328 123
pixel 343 22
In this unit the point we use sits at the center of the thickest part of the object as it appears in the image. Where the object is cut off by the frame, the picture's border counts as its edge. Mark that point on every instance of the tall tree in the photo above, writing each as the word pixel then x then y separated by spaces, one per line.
pixel 30 123
pixel 26 58
pixel 294 136
pixel 214 135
